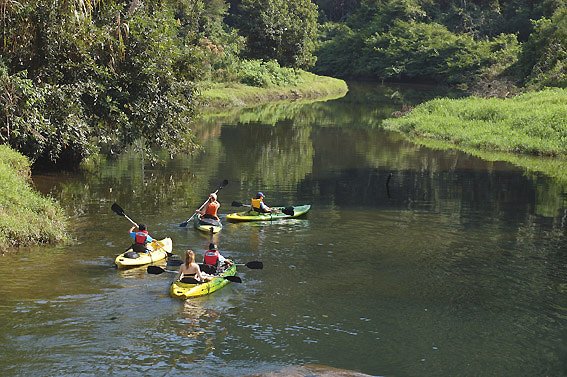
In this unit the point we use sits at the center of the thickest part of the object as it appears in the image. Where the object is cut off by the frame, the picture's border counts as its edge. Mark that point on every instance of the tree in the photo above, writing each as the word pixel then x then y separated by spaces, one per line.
pixel 84 75
pixel 336 10
pixel 543 59
pixel 284 30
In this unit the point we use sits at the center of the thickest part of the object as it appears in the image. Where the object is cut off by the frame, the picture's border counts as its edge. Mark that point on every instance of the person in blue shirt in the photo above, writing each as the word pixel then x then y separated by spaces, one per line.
pixel 141 238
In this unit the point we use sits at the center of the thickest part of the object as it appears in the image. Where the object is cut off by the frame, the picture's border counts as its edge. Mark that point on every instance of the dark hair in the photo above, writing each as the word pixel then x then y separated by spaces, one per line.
pixel 142 227
pixel 212 246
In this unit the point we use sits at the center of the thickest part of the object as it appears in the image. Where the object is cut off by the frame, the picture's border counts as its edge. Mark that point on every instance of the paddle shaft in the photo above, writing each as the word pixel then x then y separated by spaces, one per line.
pixel 183 224
pixel 253 265
pixel 132 221
pixel 156 270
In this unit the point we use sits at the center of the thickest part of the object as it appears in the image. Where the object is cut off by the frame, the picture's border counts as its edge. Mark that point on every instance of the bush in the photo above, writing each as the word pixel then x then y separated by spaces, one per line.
pixel 266 74
pixel 543 61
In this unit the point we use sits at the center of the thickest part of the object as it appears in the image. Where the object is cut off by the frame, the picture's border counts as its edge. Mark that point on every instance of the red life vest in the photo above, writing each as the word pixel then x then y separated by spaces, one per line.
pixel 212 209
pixel 141 237
pixel 211 257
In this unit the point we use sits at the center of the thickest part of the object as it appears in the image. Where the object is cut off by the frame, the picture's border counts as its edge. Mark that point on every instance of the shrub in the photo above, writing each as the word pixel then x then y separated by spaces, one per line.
pixel 266 74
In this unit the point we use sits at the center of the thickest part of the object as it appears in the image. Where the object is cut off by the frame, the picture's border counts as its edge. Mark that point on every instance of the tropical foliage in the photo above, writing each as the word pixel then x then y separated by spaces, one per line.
pixel 543 61
pixel 86 75
pixel 445 41
pixel 283 30
pixel 78 77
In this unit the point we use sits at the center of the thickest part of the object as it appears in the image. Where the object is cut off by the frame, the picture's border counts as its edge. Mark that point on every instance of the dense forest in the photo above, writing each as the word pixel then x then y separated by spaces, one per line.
pixel 83 76
pixel 456 41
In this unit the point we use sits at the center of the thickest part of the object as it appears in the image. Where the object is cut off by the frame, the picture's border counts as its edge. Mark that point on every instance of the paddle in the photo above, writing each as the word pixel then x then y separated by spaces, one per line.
pixel 120 212
pixel 286 211
pixel 156 270
pixel 253 265
pixel 184 223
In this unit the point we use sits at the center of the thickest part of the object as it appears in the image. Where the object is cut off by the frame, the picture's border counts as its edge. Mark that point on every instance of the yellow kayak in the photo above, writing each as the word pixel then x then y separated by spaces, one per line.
pixel 184 291
pixel 159 251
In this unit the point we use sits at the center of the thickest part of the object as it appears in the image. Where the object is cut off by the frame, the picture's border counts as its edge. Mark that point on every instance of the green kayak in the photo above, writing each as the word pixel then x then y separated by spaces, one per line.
pixel 283 213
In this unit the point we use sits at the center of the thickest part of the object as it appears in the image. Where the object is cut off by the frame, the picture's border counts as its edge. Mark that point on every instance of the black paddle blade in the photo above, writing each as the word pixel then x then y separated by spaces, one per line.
pixel 234 279
pixel 155 270
pixel 236 204
pixel 255 265
pixel 224 183
pixel 117 209
pixel 184 224
pixel 288 211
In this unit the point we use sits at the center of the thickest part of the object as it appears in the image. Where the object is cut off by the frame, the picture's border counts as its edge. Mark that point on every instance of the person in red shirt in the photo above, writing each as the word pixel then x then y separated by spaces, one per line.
pixel 213 261
pixel 141 238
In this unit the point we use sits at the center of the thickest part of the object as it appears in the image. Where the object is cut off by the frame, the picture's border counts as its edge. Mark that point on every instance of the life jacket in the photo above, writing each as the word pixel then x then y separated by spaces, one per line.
pixel 257 205
pixel 141 237
pixel 212 209
pixel 211 257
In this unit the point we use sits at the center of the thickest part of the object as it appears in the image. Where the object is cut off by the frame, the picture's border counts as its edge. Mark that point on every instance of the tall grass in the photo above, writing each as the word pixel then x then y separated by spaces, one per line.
pixel 533 123
pixel 26 217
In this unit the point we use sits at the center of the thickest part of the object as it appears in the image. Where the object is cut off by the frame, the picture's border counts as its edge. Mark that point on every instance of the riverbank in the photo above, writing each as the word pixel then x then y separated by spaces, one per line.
pixel 217 96
pixel 26 217
pixel 532 123
pixel 528 131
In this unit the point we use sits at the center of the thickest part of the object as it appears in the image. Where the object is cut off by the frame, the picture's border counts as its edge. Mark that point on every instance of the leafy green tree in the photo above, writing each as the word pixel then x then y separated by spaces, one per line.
pixel 336 10
pixel 490 17
pixel 284 30
pixel 22 106
pixel 101 73
pixel 426 51
pixel 543 61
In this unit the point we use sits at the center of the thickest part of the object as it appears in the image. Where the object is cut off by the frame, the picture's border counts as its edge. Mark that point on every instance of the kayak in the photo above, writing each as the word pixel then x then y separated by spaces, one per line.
pixel 285 213
pixel 184 291
pixel 205 224
pixel 159 251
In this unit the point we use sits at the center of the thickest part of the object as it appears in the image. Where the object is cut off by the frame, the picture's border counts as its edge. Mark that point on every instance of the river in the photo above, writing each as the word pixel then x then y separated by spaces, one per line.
pixel 411 262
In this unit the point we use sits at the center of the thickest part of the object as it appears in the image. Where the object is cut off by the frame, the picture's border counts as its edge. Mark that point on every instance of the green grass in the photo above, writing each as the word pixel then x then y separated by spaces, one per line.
pixel 26 217
pixel 223 95
pixel 533 123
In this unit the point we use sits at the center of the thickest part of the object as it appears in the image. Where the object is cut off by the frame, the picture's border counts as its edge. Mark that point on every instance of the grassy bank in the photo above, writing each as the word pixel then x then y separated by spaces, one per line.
pixel 26 217
pixel 309 86
pixel 532 123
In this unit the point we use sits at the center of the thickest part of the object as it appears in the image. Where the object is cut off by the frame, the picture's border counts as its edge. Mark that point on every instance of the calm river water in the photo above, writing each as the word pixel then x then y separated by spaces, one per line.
pixel 412 261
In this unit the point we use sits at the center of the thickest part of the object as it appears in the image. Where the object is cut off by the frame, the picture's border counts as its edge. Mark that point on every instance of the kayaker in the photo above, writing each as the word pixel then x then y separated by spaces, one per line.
pixel 258 204
pixel 191 269
pixel 141 238
pixel 210 210
pixel 213 261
